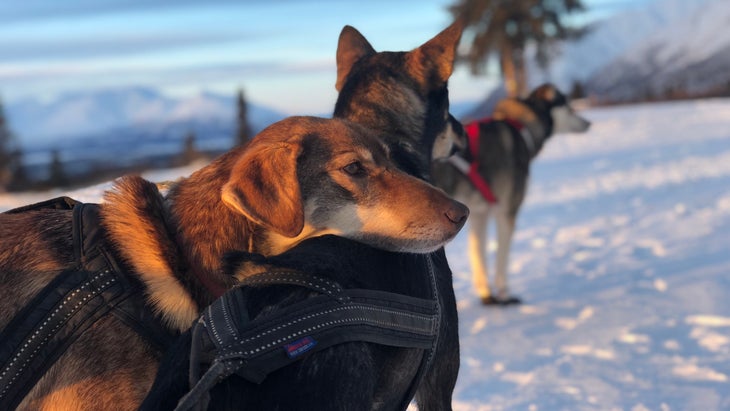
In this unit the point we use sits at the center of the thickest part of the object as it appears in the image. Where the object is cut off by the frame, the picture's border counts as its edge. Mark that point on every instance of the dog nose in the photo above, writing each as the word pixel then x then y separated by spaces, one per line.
pixel 457 213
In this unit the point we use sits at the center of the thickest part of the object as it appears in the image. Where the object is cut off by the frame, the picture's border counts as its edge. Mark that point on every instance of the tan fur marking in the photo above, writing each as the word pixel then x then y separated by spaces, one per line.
pixel 109 392
pixel 436 56
pixel 513 109
pixel 136 234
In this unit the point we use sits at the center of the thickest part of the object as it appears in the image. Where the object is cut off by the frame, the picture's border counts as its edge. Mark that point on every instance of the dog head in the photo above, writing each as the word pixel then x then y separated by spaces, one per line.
pixel 545 105
pixel 403 95
pixel 303 177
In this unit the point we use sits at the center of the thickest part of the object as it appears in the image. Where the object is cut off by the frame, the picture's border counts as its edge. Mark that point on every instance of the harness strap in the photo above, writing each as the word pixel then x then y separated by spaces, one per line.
pixel 319 284
pixel 471 169
pixel 71 303
pixel 314 283
pixel 231 343
pixel 40 333
pixel 51 321
pixel 426 365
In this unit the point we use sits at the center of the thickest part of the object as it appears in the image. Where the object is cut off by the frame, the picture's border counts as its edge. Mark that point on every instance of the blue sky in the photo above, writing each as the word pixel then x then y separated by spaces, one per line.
pixel 281 52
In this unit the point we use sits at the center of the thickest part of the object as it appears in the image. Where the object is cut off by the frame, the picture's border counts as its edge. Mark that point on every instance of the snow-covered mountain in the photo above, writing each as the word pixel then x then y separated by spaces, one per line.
pixel 690 54
pixel 82 114
pixel 664 45
pixel 125 127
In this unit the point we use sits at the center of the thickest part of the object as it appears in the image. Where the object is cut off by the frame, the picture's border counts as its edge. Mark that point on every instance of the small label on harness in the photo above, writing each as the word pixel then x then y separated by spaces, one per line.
pixel 299 346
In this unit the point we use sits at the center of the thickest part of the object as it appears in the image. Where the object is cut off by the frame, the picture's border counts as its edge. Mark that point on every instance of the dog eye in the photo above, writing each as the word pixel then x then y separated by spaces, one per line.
pixel 354 169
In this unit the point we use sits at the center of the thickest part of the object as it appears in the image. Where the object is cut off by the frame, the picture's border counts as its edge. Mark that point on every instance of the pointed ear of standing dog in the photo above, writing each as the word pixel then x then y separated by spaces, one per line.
pixel 433 62
pixel 351 47
pixel 401 94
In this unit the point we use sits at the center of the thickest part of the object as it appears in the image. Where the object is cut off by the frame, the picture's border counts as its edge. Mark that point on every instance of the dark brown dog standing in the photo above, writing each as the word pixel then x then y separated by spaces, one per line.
pixel 301 177
pixel 404 96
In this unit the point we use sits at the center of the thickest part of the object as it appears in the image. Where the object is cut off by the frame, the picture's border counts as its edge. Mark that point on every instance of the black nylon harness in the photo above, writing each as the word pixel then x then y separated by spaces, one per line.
pixel 70 304
pixel 225 338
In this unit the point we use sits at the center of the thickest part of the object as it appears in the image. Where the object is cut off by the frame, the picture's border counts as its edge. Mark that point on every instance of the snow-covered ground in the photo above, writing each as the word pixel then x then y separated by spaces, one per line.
pixel 622 257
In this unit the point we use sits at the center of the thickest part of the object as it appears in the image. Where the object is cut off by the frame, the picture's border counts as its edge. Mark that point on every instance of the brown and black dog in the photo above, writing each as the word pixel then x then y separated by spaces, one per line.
pixel 404 97
pixel 300 178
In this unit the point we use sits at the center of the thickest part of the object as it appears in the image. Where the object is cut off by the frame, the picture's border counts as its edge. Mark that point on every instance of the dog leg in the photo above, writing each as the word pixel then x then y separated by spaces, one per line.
pixel 478 253
pixel 505 230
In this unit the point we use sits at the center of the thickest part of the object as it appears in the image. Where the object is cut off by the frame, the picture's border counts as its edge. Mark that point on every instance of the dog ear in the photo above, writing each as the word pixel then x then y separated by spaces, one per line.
pixel 513 109
pixel 546 92
pixel 264 187
pixel 351 47
pixel 433 62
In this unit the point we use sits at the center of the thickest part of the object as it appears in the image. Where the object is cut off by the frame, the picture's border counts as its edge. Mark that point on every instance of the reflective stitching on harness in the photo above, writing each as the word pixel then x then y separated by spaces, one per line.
pixel 49 334
pixel 293 278
pixel 49 323
pixel 381 318
pixel 350 320
pixel 318 314
pixel 227 318
pixel 212 326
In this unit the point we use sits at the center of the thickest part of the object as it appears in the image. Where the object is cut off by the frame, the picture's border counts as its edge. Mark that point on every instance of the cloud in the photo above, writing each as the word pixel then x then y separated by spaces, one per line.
pixel 28 10
pixel 115 44
pixel 200 72
pixel 261 77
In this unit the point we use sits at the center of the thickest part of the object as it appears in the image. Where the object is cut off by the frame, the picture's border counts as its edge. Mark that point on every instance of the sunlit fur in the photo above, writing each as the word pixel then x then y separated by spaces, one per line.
pixel 380 205
pixel 133 213
pixel 290 183
pixel 403 97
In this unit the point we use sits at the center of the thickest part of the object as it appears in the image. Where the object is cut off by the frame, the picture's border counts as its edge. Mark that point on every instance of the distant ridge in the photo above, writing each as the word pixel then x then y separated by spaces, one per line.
pixel 82 114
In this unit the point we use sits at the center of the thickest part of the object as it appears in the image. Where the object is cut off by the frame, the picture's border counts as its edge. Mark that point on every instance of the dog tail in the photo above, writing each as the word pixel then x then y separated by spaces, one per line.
pixel 135 216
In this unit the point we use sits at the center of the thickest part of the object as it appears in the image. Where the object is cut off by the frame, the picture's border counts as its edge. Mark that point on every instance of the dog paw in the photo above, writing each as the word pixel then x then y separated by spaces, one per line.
pixel 502 301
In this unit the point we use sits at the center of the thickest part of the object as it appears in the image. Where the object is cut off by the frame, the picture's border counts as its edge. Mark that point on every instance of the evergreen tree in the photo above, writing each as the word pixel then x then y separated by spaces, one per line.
pixel 243 133
pixel 189 152
pixel 6 152
pixel 56 174
pixel 577 91
pixel 20 180
pixel 505 27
